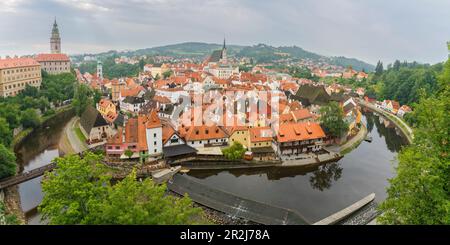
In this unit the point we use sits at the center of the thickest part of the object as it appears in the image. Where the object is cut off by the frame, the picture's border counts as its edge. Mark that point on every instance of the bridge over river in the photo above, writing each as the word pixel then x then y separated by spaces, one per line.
pixel 23 177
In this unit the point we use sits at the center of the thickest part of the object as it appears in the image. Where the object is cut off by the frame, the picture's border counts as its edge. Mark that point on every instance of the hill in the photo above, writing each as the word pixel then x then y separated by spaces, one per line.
pixel 260 53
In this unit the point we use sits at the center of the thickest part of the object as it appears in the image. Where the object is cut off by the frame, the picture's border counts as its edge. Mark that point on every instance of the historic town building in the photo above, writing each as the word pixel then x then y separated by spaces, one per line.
pixel 16 73
pixel 55 62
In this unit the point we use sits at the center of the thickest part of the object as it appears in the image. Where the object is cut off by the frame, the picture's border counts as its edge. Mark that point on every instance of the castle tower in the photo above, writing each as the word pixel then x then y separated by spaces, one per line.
pixel 55 40
pixel 100 70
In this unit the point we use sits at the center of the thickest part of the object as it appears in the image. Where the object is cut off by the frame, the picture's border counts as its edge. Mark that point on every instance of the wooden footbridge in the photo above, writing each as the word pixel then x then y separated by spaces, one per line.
pixel 20 178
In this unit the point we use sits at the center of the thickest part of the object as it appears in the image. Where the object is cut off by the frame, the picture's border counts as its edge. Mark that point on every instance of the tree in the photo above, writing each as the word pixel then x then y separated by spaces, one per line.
pixel 7 162
pixel 128 153
pixel 396 65
pixel 97 96
pixel 234 152
pixel 420 192
pixel 379 69
pixel 30 119
pixel 30 91
pixel 5 132
pixel 79 191
pixel 332 119
pixel 167 74
pixel 82 98
pixel 7 219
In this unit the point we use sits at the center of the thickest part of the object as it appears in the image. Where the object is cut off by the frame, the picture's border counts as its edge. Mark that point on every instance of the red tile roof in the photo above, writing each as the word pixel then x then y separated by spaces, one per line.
pixel 289 132
pixel 260 134
pixel 17 62
pixel 203 132
pixel 153 120
pixel 52 57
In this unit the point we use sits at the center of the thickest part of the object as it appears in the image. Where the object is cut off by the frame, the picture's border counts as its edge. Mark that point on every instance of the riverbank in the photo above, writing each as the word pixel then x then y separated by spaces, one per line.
pixel 354 142
pixel 399 123
pixel 12 195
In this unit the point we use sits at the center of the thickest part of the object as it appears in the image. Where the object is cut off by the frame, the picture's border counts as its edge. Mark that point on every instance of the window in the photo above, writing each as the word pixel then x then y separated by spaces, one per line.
pixel 154 135
pixel 154 143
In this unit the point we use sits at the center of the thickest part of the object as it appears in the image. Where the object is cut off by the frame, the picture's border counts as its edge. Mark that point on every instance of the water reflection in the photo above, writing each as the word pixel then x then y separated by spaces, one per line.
pixel 387 130
pixel 319 191
pixel 322 178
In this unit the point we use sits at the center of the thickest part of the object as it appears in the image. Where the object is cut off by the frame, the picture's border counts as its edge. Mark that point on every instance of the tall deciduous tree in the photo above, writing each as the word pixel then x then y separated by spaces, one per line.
pixel 79 191
pixel 420 193
pixel 82 98
pixel 332 119
pixel 7 162
pixel 5 132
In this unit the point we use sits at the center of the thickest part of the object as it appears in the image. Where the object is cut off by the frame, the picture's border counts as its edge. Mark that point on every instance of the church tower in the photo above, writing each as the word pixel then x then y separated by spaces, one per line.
pixel 224 53
pixel 55 40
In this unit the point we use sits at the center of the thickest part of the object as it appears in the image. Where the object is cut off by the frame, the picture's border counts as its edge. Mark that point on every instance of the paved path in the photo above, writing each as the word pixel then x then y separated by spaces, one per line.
pixel 72 137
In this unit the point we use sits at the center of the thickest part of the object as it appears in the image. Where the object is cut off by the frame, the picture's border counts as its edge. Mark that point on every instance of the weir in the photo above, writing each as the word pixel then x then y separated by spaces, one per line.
pixel 233 205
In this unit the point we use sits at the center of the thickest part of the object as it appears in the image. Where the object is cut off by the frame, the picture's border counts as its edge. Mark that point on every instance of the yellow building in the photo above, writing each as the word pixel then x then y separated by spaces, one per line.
pixel 16 73
pixel 106 107
pixel 240 134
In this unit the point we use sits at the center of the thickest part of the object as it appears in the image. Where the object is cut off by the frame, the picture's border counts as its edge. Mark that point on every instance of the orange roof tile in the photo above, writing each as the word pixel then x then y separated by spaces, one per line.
pixel 153 120
pixel 51 57
pixel 17 62
pixel 289 132
pixel 118 138
pixel 260 134
pixel 203 132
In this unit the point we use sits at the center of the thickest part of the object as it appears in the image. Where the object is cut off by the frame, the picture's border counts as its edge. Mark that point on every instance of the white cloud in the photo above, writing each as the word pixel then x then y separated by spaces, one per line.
pixel 9 5
pixel 87 5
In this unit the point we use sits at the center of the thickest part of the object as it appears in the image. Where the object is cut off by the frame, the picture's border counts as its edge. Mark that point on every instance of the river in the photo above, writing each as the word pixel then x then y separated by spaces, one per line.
pixel 314 192
pixel 317 192
pixel 37 150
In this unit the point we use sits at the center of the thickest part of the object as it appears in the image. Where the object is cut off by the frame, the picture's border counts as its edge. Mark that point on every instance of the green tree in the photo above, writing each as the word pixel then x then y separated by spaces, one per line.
pixel 420 192
pixel 5 132
pixel 11 113
pixel 97 96
pixel 7 162
pixel 379 69
pixel 30 91
pixel 332 119
pixel 167 74
pixel 128 153
pixel 7 219
pixel 79 191
pixel 234 152
pixel 30 118
pixel 82 98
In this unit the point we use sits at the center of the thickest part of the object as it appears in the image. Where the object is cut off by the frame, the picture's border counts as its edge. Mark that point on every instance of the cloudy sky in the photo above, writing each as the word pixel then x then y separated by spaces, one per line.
pixel 366 29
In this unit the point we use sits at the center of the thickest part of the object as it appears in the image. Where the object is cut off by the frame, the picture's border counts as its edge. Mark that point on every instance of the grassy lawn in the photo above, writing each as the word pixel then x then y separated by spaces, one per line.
pixel 80 134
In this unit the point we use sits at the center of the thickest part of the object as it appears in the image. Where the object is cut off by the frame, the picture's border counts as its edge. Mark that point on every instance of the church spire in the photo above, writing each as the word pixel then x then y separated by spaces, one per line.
pixel 224 47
